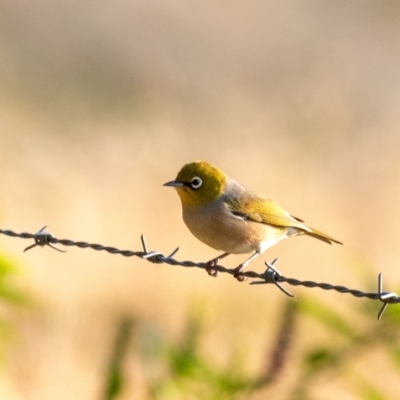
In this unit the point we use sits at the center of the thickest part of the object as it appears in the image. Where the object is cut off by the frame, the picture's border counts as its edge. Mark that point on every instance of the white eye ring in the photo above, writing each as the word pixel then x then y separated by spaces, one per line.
pixel 196 182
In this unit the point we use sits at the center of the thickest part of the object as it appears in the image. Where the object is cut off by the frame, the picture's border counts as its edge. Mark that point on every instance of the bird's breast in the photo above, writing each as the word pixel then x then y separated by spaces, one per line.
pixel 216 226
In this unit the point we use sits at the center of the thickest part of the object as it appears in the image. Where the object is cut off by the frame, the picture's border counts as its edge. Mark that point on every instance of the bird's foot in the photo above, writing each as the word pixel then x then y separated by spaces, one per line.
pixel 238 273
pixel 210 267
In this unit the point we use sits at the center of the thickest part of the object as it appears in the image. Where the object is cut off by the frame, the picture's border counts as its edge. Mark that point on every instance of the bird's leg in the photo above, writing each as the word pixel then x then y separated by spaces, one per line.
pixel 238 272
pixel 213 263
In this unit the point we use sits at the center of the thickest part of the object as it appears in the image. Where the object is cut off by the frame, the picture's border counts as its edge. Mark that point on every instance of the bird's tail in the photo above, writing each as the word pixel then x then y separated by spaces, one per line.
pixel 321 236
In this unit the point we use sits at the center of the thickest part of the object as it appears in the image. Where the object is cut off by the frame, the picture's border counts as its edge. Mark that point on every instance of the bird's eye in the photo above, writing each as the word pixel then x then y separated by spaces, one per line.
pixel 196 182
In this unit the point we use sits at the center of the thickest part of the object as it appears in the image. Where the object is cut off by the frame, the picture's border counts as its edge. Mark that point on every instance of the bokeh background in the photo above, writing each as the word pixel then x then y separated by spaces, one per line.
pixel 103 102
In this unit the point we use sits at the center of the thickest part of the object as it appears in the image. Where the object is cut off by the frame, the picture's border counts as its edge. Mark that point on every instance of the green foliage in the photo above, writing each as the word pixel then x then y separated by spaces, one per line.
pixel 185 370
pixel 359 335
pixel 318 358
pixel 367 391
pixel 11 296
pixel 179 369
pixel 10 293
pixel 115 379
pixel 328 317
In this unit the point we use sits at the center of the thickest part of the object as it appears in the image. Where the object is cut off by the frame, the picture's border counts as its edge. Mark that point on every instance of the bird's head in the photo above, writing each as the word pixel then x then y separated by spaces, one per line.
pixel 199 183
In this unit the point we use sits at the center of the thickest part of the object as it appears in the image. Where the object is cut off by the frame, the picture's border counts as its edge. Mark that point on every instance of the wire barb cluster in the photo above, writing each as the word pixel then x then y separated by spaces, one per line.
pixel 270 276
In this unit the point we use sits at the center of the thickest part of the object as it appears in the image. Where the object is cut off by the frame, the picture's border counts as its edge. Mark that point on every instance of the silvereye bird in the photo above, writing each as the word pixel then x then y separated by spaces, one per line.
pixel 226 216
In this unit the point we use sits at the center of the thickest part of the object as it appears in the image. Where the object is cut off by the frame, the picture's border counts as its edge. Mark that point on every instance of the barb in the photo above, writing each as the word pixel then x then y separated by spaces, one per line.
pixel 42 238
pixel 385 297
pixel 270 276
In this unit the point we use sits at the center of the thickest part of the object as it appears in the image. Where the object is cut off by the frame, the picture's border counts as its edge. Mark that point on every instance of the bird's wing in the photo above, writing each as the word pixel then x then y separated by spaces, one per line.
pixel 246 205
pixel 262 210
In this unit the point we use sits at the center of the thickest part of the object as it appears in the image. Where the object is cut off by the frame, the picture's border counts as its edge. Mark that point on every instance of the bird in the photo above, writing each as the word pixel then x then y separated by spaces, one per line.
pixel 225 215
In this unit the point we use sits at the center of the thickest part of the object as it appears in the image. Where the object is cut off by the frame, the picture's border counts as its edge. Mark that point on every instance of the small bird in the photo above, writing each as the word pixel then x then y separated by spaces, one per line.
pixel 228 217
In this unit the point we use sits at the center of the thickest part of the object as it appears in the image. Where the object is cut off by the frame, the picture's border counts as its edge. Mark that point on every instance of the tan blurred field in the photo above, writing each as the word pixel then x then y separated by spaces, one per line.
pixel 100 104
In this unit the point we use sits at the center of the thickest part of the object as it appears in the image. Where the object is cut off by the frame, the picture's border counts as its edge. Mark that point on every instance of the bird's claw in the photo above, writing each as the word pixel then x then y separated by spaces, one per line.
pixel 210 267
pixel 238 273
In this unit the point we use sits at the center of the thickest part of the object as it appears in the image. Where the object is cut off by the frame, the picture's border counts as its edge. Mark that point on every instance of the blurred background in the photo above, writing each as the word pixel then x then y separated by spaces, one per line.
pixel 103 102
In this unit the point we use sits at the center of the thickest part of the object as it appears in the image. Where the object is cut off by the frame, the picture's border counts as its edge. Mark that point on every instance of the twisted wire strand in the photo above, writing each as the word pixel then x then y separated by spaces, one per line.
pixel 271 274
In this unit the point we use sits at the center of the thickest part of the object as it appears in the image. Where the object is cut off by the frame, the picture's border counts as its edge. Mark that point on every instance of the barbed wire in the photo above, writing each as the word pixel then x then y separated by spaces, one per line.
pixel 270 276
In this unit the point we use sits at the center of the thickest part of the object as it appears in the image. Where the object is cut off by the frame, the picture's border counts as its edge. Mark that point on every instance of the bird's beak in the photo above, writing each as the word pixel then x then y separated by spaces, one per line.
pixel 175 183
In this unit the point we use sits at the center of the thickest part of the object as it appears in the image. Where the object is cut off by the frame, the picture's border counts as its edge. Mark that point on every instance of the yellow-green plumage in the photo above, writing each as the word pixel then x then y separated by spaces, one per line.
pixel 226 216
pixel 263 210
pixel 214 182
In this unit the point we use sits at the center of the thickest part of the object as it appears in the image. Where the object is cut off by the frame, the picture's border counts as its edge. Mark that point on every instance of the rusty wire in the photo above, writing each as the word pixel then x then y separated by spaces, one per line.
pixel 270 276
